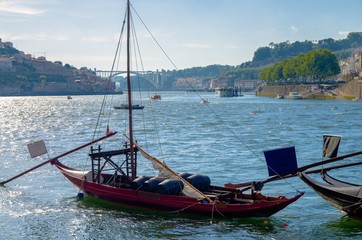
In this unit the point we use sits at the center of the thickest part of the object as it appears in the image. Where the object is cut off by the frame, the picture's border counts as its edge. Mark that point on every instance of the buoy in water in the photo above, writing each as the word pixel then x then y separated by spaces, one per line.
pixel 80 195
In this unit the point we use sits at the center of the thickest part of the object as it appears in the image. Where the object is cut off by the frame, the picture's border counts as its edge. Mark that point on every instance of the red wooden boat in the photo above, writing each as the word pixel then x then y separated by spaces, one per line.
pixel 113 177
pixel 155 97
pixel 213 201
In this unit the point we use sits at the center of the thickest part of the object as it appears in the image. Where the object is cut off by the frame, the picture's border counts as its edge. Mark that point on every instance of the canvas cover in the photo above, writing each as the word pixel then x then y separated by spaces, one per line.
pixel 281 161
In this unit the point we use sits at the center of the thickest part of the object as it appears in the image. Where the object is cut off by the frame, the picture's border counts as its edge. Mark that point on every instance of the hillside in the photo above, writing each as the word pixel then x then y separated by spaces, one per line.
pixel 22 74
pixel 276 52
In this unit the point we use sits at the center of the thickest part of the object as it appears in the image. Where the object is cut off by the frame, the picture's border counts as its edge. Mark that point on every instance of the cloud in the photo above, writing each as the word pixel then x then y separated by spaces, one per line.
pixel 14 7
pixel 294 29
pixel 196 45
pixel 95 39
pixel 34 37
pixel 343 33
pixel 233 47
pixel 60 38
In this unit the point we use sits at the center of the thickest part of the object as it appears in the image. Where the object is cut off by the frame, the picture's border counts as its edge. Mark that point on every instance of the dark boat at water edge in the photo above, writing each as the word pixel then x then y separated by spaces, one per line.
pixel 344 196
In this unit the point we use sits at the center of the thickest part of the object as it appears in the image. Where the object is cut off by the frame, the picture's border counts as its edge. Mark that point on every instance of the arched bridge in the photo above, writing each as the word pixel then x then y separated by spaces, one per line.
pixel 153 77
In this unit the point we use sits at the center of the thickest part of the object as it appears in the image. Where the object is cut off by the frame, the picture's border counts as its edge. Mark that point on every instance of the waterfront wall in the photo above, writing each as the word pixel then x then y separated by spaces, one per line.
pixel 274 90
pixel 347 91
pixel 350 90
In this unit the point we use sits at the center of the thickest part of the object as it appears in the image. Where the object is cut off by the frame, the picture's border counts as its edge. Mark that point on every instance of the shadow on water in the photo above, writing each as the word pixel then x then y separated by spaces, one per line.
pixel 333 228
pixel 345 227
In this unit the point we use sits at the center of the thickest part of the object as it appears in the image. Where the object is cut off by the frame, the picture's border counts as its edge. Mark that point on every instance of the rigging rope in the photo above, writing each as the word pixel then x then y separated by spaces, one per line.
pixel 98 123
pixel 206 104
pixel 104 100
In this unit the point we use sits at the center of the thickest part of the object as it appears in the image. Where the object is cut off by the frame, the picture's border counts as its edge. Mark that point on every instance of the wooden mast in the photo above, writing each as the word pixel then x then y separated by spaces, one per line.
pixel 133 170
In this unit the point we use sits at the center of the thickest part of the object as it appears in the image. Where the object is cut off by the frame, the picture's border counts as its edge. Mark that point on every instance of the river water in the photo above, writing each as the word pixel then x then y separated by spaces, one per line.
pixel 224 141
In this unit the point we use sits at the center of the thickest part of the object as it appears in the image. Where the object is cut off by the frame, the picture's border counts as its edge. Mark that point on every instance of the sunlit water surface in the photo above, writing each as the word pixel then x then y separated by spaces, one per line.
pixel 225 142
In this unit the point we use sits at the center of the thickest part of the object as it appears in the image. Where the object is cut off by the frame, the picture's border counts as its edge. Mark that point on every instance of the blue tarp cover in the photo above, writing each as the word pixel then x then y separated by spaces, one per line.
pixel 281 161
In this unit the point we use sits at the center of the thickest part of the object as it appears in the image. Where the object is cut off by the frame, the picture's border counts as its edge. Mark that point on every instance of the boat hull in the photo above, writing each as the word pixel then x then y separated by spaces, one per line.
pixel 126 106
pixel 173 203
pixel 344 197
pixel 224 92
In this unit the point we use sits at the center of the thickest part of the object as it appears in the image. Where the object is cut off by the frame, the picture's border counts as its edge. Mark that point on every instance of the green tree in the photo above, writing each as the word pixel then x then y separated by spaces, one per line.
pixel 316 64
pixel 301 67
pixel 277 71
pixel 323 64
pixel 262 53
pixel 265 74
pixel 354 39
pixel 289 69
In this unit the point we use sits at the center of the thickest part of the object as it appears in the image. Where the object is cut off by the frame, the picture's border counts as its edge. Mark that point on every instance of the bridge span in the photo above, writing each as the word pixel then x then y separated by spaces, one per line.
pixel 153 77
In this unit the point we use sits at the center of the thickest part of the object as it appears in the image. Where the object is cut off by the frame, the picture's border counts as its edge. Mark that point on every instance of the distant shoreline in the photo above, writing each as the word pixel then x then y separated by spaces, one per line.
pixel 59 94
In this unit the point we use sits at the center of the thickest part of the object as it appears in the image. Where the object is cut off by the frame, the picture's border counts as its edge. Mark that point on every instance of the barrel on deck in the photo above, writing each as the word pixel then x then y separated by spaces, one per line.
pixel 151 184
pixel 201 182
pixel 170 186
pixel 138 182
pixel 185 175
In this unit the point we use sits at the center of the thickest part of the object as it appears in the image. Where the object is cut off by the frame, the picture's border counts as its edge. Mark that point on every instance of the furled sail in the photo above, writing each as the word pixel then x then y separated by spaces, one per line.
pixel 330 145
pixel 165 171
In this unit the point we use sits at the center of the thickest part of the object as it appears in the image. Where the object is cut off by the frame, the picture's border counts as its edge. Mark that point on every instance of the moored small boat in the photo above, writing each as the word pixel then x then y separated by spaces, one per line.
pixel 224 92
pixel 155 97
pixel 126 106
pixel 294 96
pixel 279 96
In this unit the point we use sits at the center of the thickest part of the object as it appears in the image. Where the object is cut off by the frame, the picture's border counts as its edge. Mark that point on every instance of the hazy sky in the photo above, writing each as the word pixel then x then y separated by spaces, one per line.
pixel 191 32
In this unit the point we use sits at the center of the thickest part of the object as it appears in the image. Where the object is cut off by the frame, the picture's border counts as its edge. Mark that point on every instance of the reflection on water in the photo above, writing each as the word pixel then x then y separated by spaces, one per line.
pixel 344 227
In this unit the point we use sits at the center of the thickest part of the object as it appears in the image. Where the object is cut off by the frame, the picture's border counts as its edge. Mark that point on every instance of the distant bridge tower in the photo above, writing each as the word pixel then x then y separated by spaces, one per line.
pixel 159 79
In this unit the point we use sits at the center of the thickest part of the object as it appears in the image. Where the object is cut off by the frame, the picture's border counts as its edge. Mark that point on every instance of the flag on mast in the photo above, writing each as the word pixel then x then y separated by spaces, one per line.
pixel 330 145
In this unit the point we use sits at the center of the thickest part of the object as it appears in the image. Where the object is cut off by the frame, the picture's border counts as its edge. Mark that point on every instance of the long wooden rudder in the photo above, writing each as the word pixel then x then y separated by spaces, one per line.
pixel 57 157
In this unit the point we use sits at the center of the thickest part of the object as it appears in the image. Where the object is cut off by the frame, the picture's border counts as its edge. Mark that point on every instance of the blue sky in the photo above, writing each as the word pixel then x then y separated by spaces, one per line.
pixel 192 32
